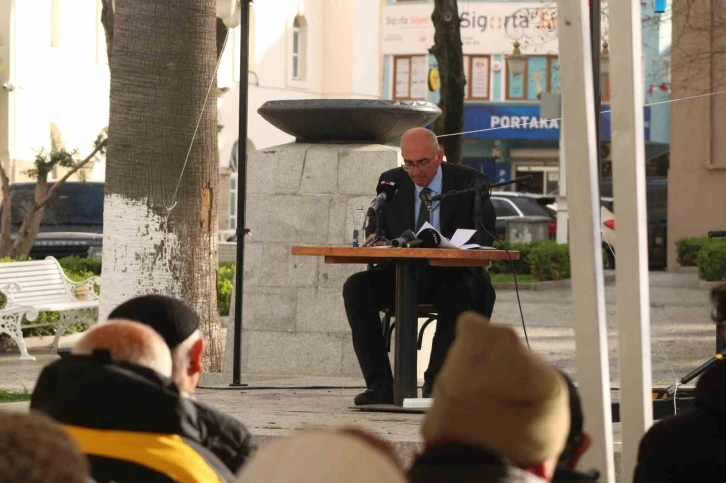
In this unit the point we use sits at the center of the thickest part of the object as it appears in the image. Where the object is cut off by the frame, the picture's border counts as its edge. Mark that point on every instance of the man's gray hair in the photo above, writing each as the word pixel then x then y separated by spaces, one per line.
pixel 128 342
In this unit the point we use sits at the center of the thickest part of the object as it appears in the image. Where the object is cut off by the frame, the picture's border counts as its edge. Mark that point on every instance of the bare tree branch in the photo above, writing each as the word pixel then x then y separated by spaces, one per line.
pixel 41 203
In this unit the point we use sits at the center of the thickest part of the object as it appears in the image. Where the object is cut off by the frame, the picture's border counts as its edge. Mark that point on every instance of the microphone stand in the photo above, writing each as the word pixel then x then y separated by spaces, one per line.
pixel 480 189
pixel 378 234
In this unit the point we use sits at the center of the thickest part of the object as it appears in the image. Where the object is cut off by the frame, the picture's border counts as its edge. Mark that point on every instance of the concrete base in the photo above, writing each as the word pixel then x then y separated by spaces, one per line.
pixel 302 194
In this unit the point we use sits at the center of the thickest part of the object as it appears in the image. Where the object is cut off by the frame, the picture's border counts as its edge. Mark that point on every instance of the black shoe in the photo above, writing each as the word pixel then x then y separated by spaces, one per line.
pixel 426 390
pixel 378 393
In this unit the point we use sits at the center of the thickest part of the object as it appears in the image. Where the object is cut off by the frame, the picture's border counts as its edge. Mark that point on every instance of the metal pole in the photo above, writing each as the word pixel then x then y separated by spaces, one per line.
pixel 595 44
pixel 241 190
pixel 632 291
pixel 588 289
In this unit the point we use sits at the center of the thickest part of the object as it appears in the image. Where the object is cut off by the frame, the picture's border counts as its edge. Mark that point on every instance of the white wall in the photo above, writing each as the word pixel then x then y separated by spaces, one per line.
pixel 342 61
pixel 66 85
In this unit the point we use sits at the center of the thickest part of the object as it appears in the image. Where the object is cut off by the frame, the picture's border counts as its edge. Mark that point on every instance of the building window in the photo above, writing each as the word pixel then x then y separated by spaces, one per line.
pixel 409 77
pixel 541 74
pixel 477 71
pixel 233 201
pixel 299 30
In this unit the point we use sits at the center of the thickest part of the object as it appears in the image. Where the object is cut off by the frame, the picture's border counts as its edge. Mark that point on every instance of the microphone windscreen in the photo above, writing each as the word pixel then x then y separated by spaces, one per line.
pixel 430 238
pixel 389 188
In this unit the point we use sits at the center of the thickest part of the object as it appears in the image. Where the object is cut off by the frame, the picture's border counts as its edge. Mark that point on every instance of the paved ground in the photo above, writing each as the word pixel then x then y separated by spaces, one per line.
pixel 681 330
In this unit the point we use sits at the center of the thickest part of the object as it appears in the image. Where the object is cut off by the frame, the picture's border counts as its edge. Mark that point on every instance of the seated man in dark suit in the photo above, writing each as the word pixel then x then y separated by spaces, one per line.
pixel 450 290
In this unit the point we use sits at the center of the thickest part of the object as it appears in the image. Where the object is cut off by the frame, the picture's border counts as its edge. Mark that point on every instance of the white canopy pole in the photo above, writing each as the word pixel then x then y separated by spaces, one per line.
pixel 633 293
pixel 588 294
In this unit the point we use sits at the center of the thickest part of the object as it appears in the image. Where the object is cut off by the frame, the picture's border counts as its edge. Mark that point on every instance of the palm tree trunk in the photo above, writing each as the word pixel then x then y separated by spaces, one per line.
pixel 163 61
pixel 448 52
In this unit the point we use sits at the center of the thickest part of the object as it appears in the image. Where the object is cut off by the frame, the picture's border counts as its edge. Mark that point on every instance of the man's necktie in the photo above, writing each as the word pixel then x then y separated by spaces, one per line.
pixel 423 211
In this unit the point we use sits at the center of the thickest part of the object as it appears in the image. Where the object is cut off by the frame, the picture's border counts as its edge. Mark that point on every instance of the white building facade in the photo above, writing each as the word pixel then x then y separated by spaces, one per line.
pixel 299 49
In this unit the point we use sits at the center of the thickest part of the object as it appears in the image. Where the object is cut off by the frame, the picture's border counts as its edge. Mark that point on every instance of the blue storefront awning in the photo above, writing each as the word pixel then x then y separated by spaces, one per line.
pixel 521 121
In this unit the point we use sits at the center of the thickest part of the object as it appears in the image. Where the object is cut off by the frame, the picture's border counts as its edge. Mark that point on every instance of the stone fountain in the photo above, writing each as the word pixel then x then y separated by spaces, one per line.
pixel 306 193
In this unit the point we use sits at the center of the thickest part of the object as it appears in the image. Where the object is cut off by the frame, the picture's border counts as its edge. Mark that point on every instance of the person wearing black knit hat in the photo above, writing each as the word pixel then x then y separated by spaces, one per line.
pixel 178 325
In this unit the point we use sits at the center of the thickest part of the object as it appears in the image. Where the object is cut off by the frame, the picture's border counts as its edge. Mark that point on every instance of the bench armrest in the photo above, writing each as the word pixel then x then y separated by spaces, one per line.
pixel 84 290
pixel 9 291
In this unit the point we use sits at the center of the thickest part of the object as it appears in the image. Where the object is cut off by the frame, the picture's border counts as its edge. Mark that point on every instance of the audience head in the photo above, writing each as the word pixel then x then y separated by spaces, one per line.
pixel 178 325
pixel 495 394
pixel 421 154
pixel 34 450
pixel 128 341
pixel 578 441
pixel 349 456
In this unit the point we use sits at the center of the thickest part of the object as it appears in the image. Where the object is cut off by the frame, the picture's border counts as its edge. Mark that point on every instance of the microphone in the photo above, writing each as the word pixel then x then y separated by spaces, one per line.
pixel 405 237
pixel 386 191
pixel 428 238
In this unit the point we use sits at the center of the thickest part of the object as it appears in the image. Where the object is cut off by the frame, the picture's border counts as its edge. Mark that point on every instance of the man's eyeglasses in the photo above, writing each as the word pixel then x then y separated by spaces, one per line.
pixel 421 165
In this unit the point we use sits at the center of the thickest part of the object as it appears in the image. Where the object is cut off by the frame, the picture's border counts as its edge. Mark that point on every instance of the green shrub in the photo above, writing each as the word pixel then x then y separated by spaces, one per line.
pixel 687 249
pixel 225 281
pixel 711 261
pixel 81 265
pixel 522 266
pixel 550 260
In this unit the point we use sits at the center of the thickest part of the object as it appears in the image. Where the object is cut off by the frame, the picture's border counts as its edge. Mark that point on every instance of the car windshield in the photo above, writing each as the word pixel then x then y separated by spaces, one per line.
pixel 72 204
pixel 529 206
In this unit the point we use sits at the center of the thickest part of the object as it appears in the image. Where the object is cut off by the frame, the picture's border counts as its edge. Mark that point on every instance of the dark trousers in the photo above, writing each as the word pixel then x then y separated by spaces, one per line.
pixel 451 290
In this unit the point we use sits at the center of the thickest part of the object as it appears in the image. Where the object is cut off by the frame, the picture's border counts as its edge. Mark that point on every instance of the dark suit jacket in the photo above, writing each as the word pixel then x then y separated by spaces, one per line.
pixel 456 211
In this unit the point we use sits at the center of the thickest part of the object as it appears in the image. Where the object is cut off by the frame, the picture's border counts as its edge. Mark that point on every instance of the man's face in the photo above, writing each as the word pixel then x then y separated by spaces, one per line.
pixel 421 160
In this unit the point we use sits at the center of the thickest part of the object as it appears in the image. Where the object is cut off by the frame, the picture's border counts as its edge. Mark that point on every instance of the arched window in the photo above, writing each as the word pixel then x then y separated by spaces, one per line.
pixel 299 43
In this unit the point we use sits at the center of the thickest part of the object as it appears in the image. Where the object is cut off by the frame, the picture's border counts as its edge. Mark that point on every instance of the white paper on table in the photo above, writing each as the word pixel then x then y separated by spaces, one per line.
pixel 461 236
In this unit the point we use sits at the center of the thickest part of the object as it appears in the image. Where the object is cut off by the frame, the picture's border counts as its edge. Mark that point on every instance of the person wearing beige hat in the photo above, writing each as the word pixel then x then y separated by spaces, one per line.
pixel 349 456
pixel 499 412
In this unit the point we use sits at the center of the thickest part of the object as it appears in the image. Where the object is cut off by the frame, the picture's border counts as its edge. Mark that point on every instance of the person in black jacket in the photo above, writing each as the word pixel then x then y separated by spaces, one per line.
pixel 691 445
pixel 178 325
pixel 451 290
pixel 113 396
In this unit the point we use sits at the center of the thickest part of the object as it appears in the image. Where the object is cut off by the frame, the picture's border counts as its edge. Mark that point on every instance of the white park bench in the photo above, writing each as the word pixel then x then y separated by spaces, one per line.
pixel 41 286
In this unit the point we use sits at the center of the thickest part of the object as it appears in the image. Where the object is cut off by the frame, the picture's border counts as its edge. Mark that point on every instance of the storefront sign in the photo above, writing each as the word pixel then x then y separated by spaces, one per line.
pixel 524 122
pixel 486 28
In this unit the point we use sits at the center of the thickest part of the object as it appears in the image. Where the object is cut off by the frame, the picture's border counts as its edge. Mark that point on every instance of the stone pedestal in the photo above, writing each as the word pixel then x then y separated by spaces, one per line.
pixel 297 194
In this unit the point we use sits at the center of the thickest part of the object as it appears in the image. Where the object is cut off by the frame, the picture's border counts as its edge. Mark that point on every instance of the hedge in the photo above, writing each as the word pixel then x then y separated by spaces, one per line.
pixel 550 260
pixel 522 266
pixel 78 269
pixel 711 261
pixel 687 248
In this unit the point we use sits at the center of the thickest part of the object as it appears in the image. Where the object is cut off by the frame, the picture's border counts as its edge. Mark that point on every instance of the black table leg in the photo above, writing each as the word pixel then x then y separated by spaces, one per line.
pixel 404 385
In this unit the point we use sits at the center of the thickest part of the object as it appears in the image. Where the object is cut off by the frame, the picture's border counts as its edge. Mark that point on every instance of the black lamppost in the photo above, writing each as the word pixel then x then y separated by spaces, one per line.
pixel 244 63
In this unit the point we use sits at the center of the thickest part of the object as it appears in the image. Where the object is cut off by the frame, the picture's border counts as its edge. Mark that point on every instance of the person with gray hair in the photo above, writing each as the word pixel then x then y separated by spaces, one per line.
pixel 113 395
pixel 33 449
pixel 178 325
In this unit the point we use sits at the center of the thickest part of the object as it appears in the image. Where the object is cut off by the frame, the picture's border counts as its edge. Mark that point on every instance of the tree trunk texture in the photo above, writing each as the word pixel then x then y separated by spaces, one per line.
pixel 163 65
pixel 449 55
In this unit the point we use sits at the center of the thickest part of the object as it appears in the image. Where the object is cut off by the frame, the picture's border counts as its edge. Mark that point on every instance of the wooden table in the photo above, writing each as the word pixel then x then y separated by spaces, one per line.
pixel 406 282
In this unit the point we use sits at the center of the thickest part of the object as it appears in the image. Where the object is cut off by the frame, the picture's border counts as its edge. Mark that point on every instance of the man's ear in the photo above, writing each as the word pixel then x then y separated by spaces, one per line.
pixel 195 357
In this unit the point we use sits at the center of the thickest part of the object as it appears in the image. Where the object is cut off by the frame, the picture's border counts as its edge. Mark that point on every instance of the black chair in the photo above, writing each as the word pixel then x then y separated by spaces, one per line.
pixel 387 325
pixel 423 310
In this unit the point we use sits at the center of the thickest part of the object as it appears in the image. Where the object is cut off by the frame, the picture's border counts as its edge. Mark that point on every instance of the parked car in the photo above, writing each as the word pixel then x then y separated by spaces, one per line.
pixel 72 223
pixel 657 210
pixel 522 217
